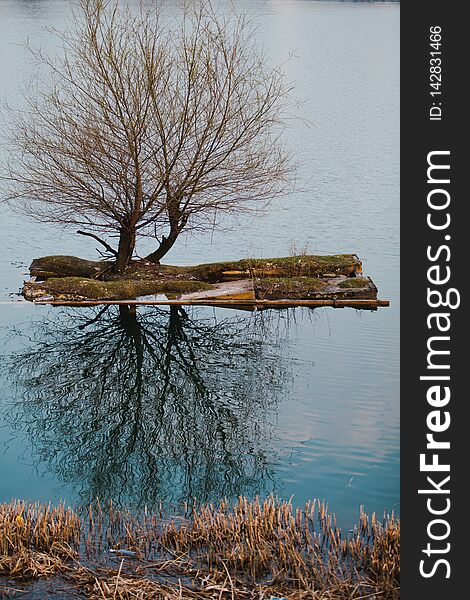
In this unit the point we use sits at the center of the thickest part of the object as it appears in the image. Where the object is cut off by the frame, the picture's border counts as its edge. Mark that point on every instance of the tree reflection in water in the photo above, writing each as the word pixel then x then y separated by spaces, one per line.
pixel 159 405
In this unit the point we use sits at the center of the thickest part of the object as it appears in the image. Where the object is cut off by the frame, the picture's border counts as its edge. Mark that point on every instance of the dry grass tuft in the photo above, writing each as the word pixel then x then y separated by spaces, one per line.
pixel 36 540
pixel 42 527
pixel 27 564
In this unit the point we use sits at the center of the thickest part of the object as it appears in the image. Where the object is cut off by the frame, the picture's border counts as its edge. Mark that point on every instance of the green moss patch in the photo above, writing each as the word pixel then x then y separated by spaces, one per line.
pixel 313 262
pixel 354 283
pixel 275 288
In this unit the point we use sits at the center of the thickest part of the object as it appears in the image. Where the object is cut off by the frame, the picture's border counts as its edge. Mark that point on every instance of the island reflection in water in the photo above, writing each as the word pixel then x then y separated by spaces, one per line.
pixel 161 405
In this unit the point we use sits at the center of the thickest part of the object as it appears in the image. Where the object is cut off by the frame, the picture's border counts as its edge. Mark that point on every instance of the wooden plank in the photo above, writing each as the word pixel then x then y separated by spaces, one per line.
pixel 224 303
pixel 241 289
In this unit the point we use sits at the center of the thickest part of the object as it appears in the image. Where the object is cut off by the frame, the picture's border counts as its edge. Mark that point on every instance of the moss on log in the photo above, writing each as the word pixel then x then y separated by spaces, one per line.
pixel 72 288
pixel 308 265
pixel 66 266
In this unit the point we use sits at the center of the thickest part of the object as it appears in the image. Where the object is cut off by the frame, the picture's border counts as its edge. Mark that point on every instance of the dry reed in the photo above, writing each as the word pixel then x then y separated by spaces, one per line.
pixel 253 549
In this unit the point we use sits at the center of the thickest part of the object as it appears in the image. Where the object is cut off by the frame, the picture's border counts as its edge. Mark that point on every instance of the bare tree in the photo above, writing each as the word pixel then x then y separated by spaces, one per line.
pixel 150 125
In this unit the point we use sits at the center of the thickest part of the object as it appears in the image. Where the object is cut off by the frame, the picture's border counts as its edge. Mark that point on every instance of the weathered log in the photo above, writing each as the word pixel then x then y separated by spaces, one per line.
pixel 82 288
pixel 308 265
pixel 66 266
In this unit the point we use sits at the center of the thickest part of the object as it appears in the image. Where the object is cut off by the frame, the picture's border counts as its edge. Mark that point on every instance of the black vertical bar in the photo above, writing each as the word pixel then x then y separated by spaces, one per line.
pixel 430 124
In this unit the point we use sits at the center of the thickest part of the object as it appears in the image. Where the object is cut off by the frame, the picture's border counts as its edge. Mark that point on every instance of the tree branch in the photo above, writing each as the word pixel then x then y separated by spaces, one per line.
pixel 102 242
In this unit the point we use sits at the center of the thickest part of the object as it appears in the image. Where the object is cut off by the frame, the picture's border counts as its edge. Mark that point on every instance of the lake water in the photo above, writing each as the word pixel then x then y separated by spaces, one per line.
pixel 209 403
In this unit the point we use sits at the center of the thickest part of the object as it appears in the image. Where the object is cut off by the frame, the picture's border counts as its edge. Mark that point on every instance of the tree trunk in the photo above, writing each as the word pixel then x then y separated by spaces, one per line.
pixel 130 324
pixel 125 249
pixel 165 245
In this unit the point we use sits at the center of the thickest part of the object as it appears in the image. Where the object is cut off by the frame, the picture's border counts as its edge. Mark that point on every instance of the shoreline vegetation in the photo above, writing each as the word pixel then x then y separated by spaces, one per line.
pixel 303 277
pixel 250 549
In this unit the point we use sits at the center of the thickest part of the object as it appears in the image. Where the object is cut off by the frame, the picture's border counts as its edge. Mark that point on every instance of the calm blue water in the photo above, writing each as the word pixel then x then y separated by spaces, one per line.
pixel 211 403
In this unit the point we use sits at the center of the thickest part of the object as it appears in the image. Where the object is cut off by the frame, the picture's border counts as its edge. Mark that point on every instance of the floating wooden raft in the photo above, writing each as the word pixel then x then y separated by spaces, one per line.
pixel 309 281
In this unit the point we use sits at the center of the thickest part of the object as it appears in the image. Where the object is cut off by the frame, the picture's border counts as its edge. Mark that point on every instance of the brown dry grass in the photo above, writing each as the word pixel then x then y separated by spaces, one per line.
pixel 36 540
pixel 253 549
pixel 38 526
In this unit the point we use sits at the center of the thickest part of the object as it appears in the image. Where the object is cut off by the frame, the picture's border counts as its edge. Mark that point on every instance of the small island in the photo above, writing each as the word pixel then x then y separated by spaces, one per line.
pixel 293 280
